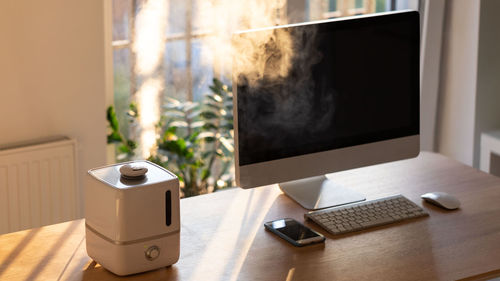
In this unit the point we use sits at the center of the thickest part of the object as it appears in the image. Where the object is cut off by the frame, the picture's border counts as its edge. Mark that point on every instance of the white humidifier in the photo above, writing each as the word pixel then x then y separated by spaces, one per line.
pixel 132 221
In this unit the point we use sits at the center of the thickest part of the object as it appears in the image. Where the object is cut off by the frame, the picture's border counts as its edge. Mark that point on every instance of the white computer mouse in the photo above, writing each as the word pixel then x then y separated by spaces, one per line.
pixel 442 199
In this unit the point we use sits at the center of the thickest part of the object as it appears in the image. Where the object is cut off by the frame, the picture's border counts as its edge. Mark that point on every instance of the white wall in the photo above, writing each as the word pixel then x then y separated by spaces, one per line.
pixel 431 40
pixel 52 74
pixel 456 109
pixel 488 74
pixel 470 78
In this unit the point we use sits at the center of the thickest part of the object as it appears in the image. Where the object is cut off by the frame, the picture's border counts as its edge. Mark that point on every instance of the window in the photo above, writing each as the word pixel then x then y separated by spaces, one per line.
pixel 173 48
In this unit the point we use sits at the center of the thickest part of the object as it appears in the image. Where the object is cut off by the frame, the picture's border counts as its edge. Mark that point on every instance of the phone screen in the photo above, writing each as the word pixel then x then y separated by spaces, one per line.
pixel 292 229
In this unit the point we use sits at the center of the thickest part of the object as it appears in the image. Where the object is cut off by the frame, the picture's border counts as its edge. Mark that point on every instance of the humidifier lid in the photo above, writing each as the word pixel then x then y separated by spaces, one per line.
pixel 111 175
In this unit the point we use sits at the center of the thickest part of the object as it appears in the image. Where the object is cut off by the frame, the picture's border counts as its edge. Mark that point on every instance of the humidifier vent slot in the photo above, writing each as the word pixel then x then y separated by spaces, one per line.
pixel 168 208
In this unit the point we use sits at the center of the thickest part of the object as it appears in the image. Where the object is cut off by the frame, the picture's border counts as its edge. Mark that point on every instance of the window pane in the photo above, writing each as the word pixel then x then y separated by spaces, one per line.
pixel 201 15
pixel 407 4
pixel 332 5
pixel 175 70
pixel 121 71
pixel 176 17
pixel 202 68
pixel 121 9
pixel 382 6
pixel 324 9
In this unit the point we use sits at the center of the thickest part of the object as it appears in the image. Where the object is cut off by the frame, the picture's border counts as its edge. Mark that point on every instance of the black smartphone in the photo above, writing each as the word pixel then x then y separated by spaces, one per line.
pixel 294 232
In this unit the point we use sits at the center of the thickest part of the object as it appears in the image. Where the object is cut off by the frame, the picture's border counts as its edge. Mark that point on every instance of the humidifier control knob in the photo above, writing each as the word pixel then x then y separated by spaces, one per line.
pixel 152 253
pixel 133 171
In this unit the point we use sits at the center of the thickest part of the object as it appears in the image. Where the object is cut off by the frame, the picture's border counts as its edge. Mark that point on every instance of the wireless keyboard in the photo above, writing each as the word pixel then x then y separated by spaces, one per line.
pixel 362 215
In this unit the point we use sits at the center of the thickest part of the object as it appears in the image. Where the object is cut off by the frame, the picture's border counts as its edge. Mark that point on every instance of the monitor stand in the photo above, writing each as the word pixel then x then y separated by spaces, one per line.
pixel 319 192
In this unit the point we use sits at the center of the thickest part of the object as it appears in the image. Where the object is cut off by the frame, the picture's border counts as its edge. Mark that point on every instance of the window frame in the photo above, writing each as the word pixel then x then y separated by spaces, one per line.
pixel 432 13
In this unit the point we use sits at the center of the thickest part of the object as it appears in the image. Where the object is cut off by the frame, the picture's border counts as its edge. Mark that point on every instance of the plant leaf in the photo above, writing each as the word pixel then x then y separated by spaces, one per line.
pixel 211 104
pixel 132 144
pixel 189 106
pixel 209 126
pixel 111 117
pixel 215 98
pixel 178 124
pixel 208 114
pixel 206 135
pixel 227 144
pixel 124 149
pixel 114 137
pixel 198 124
pixel 205 173
pixel 174 114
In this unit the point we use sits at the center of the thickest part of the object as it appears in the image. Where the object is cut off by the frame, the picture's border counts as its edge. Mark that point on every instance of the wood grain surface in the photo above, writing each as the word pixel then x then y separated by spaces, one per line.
pixel 223 238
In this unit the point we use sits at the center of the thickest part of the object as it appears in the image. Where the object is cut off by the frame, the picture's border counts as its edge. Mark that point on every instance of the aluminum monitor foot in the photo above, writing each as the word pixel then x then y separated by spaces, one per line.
pixel 319 192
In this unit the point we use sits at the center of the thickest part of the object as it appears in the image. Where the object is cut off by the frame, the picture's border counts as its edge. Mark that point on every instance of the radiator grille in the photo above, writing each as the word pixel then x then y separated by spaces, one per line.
pixel 38 185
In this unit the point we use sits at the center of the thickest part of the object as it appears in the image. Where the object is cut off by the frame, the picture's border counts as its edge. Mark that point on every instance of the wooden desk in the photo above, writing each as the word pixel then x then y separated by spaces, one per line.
pixel 223 237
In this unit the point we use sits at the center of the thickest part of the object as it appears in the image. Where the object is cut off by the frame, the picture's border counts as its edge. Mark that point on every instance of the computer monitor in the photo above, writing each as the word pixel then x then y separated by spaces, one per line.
pixel 321 97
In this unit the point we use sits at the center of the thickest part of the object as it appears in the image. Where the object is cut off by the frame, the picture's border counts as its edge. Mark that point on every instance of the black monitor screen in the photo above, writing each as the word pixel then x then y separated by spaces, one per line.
pixel 340 83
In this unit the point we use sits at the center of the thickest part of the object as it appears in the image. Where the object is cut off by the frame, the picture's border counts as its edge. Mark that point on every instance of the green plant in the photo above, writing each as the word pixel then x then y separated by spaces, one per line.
pixel 218 131
pixel 125 147
pixel 196 141
pixel 179 148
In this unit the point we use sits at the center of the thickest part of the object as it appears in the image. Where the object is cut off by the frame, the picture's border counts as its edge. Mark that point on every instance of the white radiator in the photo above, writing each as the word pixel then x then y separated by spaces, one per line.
pixel 38 185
